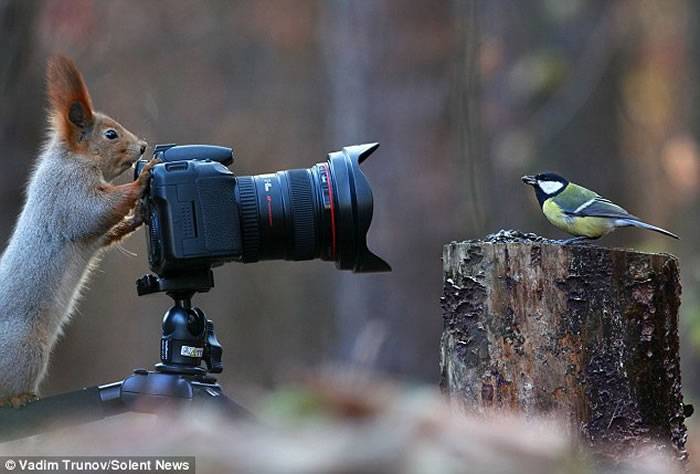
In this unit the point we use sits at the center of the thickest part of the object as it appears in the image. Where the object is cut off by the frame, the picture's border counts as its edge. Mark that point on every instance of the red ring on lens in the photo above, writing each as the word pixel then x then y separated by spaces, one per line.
pixel 327 171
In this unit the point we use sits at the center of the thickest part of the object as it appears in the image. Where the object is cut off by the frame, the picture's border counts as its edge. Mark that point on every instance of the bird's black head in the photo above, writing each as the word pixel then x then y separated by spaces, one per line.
pixel 546 185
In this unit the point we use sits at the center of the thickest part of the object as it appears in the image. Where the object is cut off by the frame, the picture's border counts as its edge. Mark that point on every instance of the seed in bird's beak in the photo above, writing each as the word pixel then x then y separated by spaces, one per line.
pixel 529 179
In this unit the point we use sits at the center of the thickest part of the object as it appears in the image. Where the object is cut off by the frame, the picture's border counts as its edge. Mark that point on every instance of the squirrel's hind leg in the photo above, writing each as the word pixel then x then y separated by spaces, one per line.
pixel 17 401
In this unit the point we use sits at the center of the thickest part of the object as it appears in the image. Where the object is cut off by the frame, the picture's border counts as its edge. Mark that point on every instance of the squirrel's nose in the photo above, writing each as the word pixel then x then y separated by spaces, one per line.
pixel 143 148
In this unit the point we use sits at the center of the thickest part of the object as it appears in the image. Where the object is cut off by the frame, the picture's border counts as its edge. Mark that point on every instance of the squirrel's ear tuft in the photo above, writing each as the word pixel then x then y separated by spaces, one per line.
pixel 71 106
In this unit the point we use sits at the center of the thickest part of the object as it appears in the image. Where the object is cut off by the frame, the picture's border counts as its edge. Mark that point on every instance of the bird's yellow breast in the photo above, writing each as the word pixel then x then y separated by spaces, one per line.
pixel 592 227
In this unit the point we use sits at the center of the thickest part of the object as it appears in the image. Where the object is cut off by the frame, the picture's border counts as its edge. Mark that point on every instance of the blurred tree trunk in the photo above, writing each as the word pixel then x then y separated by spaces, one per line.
pixel 388 68
pixel 350 76
pixel 21 94
pixel 654 109
pixel 466 112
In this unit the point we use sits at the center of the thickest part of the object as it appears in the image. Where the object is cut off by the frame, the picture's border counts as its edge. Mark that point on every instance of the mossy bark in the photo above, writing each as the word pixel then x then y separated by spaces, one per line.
pixel 586 332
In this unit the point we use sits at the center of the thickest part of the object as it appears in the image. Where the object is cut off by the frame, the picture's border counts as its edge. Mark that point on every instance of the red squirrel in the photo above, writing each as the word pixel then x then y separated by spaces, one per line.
pixel 71 213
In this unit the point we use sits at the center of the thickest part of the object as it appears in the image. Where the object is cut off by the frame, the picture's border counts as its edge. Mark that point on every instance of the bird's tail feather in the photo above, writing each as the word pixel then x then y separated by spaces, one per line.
pixel 644 225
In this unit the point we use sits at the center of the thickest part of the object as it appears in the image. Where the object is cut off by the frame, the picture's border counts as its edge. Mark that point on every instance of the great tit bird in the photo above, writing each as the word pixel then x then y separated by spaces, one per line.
pixel 580 211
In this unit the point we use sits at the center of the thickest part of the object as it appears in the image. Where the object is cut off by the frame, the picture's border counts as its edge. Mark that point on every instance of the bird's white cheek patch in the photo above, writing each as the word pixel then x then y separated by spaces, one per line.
pixel 550 187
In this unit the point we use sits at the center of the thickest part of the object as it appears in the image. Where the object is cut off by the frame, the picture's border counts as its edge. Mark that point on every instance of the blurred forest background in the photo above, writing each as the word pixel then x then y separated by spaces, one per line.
pixel 465 96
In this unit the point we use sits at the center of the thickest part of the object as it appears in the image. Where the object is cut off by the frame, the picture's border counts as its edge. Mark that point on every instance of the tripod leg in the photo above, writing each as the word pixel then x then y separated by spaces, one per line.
pixel 45 414
pixel 215 399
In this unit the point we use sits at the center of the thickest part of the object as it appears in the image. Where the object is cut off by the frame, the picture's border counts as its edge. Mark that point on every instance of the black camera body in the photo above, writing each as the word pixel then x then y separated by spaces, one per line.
pixel 200 215
pixel 192 215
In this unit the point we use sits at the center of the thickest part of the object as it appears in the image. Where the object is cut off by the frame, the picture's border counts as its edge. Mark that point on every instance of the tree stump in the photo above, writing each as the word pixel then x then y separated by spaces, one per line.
pixel 582 331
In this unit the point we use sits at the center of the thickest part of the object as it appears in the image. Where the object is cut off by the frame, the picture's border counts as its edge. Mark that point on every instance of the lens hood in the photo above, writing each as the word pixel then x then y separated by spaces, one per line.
pixel 354 210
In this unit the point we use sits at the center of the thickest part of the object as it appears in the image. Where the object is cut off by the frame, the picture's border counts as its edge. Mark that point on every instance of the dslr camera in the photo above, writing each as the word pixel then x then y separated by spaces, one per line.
pixel 199 214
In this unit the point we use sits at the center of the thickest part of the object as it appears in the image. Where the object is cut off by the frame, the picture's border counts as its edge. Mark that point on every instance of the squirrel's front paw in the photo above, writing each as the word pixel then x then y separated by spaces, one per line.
pixel 145 174
pixel 18 401
pixel 127 225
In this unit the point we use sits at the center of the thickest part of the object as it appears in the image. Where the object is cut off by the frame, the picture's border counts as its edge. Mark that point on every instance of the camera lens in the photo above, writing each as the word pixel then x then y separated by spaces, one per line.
pixel 320 212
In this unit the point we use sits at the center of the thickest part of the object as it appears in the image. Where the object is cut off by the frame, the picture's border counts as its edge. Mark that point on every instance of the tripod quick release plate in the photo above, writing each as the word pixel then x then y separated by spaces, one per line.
pixel 194 282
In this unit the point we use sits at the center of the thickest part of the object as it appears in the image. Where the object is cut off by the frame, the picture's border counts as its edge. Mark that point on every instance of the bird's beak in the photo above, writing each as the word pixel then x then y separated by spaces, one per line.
pixel 529 180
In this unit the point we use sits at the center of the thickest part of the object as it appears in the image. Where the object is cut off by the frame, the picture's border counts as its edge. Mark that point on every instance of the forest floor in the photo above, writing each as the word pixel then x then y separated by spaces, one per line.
pixel 348 421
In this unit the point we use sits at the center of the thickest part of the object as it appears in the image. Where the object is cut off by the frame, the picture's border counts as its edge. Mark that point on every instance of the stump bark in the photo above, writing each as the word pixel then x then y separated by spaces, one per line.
pixel 582 331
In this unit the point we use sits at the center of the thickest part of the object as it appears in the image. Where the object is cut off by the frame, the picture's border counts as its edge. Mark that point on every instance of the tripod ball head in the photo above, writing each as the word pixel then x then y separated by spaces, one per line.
pixel 184 336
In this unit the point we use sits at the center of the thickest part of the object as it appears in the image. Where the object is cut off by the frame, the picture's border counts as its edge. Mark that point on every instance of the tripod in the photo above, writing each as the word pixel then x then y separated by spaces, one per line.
pixel 178 382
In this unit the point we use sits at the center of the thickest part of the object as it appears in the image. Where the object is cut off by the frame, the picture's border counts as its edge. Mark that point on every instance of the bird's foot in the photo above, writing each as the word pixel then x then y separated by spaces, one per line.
pixel 18 401
pixel 581 239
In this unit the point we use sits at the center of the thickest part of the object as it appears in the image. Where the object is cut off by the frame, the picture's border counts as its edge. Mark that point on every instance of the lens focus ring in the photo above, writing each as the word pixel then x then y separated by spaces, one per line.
pixel 301 191
pixel 250 227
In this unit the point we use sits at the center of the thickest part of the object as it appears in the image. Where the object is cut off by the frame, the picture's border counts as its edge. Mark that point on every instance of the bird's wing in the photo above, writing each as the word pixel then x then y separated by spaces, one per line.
pixel 600 207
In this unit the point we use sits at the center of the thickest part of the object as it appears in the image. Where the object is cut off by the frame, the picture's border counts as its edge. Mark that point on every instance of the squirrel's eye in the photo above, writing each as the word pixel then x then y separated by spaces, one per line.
pixel 111 134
